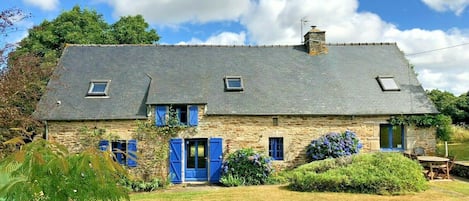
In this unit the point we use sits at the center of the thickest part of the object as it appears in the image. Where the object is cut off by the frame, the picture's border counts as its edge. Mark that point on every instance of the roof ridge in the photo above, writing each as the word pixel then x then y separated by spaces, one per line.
pixel 361 44
pixel 214 45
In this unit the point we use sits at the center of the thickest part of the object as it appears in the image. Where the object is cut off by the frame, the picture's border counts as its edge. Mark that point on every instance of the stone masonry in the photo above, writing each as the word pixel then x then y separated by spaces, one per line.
pixel 240 131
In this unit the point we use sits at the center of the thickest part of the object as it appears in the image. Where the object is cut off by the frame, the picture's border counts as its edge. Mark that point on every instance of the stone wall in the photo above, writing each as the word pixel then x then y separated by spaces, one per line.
pixel 240 131
pixel 77 135
pixel 298 131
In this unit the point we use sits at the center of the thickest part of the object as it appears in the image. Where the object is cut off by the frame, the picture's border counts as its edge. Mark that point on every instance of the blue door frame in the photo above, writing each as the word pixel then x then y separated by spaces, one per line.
pixel 207 158
pixel 196 160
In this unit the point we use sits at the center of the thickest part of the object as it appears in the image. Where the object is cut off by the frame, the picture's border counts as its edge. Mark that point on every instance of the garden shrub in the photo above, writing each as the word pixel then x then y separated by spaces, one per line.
pixel 44 170
pixel 334 145
pixel 141 185
pixel 246 167
pixel 377 173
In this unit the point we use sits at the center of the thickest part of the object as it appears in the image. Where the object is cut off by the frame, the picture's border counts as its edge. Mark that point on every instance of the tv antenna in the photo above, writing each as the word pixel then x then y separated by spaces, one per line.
pixel 303 21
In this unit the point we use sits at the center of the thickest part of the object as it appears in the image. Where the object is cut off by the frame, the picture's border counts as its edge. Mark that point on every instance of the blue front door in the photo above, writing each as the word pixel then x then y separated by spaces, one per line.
pixel 196 160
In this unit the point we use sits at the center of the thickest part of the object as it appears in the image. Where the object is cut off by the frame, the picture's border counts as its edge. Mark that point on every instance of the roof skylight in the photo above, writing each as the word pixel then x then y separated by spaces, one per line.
pixel 99 88
pixel 233 83
pixel 388 83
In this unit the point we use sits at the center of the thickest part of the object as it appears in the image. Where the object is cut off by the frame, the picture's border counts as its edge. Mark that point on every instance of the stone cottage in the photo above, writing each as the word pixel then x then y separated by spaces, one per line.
pixel 275 99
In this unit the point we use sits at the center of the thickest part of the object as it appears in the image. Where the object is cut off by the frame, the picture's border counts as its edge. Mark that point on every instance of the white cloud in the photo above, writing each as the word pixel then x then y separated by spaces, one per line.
pixel 225 38
pixel 46 5
pixel 174 12
pixel 456 83
pixel 456 6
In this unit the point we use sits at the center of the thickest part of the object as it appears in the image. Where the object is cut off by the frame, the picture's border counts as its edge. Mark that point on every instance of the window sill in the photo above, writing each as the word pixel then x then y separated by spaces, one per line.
pixel 391 150
pixel 94 96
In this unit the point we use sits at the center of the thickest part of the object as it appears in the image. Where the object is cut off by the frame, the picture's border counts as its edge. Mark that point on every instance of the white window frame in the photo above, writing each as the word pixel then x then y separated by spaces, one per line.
pixel 232 88
pixel 388 83
pixel 95 82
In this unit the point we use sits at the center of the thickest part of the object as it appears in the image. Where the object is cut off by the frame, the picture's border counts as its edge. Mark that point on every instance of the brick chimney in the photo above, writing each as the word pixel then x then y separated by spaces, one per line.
pixel 315 41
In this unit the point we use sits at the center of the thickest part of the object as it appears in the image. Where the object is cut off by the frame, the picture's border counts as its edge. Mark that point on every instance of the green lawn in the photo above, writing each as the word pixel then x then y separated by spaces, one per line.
pixel 460 150
pixel 440 190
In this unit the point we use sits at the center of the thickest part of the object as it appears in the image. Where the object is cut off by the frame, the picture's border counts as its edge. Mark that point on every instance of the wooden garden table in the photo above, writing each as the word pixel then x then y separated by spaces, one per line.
pixel 431 160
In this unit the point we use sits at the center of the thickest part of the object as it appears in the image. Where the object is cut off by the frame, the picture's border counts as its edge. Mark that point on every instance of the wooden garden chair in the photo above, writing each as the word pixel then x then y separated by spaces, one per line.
pixel 444 170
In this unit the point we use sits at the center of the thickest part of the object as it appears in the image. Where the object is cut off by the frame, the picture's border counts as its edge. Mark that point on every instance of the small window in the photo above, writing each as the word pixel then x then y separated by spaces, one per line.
pixel 124 151
pixel 182 115
pixel 388 83
pixel 391 137
pixel 99 88
pixel 275 121
pixel 233 83
pixel 276 148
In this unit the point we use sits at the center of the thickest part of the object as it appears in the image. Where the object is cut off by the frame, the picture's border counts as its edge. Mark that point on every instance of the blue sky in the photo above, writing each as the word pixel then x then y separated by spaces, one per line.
pixel 416 25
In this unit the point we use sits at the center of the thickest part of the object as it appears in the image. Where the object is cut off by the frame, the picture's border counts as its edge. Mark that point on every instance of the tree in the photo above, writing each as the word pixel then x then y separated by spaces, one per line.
pixel 132 30
pixel 448 104
pixel 463 104
pixel 44 170
pixel 24 79
pixel 85 26
pixel 8 17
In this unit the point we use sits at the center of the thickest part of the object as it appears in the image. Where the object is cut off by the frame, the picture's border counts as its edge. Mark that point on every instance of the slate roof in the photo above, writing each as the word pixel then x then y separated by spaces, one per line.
pixel 278 80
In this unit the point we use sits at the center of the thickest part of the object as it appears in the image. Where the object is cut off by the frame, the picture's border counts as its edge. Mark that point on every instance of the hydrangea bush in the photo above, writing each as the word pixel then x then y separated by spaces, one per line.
pixel 246 167
pixel 334 145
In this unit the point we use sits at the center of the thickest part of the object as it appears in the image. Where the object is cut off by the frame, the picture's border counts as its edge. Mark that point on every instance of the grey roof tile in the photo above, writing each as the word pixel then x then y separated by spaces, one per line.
pixel 278 80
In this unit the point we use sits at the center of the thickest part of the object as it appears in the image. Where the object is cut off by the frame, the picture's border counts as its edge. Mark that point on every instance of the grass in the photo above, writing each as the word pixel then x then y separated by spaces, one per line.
pixel 458 149
pixel 441 190
pixel 458 145
pixel 460 134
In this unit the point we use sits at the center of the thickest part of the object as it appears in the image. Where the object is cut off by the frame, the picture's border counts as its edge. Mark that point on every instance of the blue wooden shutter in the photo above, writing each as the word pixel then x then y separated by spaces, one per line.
pixel 216 159
pixel 193 115
pixel 132 153
pixel 103 145
pixel 175 160
pixel 160 115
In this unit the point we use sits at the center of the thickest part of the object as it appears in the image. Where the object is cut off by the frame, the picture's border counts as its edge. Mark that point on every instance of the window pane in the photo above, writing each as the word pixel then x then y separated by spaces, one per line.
pixel 201 155
pixel 384 136
pixel 181 111
pixel 388 84
pixel 234 83
pixel 191 154
pixel 391 137
pixel 276 148
pixel 99 87
pixel 397 137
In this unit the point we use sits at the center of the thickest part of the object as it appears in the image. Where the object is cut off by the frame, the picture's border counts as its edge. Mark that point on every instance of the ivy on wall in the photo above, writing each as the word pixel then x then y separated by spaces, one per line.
pixel 156 142
pixel 441 122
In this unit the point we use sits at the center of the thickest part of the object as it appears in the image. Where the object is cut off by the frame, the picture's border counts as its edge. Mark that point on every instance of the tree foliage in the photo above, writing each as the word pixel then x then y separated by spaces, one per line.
pixel 441 122
pixel 448 104
pixel 132 30
pixel 83 26
pixel 46 171
pixel 23 80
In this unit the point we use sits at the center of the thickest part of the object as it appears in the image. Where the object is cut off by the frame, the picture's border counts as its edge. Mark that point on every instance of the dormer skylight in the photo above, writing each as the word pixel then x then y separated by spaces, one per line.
pixel 388 83
pixel 99 88
pixel 233 83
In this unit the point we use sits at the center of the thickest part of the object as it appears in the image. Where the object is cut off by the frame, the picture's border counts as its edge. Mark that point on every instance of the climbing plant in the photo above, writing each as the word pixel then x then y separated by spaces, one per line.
pixel 156 142
pixel 441 122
